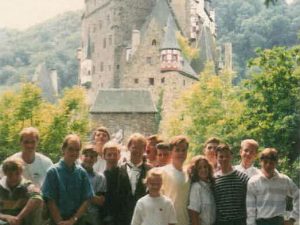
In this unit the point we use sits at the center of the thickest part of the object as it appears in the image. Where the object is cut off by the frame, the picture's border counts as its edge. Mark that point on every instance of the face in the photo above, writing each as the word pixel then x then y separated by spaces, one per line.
pixel 112 157
pixel 224 159
pixel 210 152
pixel 136 149
pixel 154 184
pixel 71 152
pixel 151 151
pixel 268 167
pixel 101 137
pixel 163 157
pixel 89 158
pixel 179 153
pixel 248 153
pixel 13 178
pixel 203 170
pixel 29 142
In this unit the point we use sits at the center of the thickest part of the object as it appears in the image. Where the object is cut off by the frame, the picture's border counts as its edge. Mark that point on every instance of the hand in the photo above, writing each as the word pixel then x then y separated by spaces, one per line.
pixel 12 220
pixel 67 222
pixel 289 222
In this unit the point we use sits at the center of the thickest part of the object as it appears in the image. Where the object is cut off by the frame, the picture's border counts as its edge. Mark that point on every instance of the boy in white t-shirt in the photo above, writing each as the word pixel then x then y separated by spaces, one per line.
pixel 154 208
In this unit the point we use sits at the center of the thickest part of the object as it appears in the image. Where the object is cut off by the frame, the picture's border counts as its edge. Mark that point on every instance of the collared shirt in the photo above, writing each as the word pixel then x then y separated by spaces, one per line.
pixel 251 171
pixel 134 172
pixel 12 201
pixel 203 202
pixel 266 197
pixel 68 187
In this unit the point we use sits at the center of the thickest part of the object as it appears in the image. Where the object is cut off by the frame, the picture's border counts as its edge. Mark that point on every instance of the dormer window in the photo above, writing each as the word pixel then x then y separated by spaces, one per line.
pixel 153 42
pixel 174 58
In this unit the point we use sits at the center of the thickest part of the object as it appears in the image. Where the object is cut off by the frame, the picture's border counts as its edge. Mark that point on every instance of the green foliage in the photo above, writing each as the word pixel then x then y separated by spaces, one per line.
pixel 26 108
pixel 209 108
pixel 188 51
pixel 53 42
pixel 272 99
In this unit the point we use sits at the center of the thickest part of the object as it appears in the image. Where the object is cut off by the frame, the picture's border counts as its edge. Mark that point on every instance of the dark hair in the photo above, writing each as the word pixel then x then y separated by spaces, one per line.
pixel 101 129
pixel 89 148
pixel 212 140
pixel 12 165
pixel 163 146
pixel 69 137
pixel 154 139
pixel 194 168
pixel 223 148
pixel 269 154
pixel 177 140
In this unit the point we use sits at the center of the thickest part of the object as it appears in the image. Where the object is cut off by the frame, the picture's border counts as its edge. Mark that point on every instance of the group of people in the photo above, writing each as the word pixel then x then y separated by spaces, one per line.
pixel 100 184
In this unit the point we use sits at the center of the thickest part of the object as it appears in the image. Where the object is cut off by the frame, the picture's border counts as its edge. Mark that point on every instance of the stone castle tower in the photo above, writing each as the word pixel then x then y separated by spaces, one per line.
pixel 132 45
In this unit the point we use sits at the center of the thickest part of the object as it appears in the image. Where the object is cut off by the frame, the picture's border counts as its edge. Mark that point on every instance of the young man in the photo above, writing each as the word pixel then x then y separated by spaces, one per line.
pixel 116 195
pixel 132 175
pixel 248 152
pixel 67 189
pixel 19 198
pixel 229 190
pixel 176 183
pixel 100 137
pixel 151 151
pixel 209 151
pixel 154 208
pixel 267 192
pixel 163 154
pixel 88 158
pixel 35 164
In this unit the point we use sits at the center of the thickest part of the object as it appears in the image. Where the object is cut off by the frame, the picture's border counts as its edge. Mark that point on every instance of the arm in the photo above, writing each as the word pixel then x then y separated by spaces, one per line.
pixel 55 214
pixel 194 216
pixel 98 200
pixel 31 205
pixel 251 204
pixel 293 192
pixel 137 216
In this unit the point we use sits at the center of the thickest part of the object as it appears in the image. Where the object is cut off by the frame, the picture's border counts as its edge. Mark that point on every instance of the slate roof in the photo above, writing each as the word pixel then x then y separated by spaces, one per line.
pixel 170 40
pixel 123 101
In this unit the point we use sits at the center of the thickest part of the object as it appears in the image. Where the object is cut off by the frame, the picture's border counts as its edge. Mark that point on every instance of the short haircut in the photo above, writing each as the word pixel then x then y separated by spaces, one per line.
pixel 138 138
pixel 212 140
pixel 12 165
pixel 29 130
pixel 177 140
pixel 154 139
pixel 110 145
pixel 154 172
pixel 223 148
pixel 194 168
pixel 89 148
pixel 101 129
pixel 269 154
pixel 250 142
pixel 68 138
pixel 163 146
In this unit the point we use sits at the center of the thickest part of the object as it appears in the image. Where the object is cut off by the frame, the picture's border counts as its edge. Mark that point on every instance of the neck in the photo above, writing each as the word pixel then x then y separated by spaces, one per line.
pixel 154 194
pixel 136 161
pixel 177 165
pixel 246 165
pixel 99 148
pixel 110 166
pixel 226 169
pixel 28 156
pixel 267 174
pixel 69 163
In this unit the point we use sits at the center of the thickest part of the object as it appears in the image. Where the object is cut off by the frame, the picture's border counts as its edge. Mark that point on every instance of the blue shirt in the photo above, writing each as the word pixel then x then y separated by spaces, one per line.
pixel 68 187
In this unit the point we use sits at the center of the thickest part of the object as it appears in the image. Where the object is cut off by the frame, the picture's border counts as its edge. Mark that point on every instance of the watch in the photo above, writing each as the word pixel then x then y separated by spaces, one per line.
pixel 75 218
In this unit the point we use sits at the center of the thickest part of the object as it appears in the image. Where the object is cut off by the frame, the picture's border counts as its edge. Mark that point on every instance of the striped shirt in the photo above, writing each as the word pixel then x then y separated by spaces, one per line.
pixel 266 198
pixel 230 196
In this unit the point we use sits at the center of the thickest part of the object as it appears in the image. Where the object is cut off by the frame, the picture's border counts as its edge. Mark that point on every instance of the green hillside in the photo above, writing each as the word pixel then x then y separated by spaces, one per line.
pixel 54 42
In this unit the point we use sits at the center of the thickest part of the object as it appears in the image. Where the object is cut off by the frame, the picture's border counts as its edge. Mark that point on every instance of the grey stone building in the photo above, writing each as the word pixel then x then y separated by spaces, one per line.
pixel 133 44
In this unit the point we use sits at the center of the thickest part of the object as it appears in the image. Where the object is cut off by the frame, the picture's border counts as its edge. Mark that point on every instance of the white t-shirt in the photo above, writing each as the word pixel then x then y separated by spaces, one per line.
pixel 154 211
pixel 35 171
pixel 203 202
pixel 251 171
pixel 176 186
pixel 100 165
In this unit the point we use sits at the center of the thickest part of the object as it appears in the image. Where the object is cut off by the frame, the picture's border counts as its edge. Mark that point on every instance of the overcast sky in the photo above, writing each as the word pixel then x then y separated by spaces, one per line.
pixel 21 14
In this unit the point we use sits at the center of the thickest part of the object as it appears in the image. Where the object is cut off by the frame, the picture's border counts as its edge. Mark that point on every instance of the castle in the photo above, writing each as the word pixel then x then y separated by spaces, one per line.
pixel 131 59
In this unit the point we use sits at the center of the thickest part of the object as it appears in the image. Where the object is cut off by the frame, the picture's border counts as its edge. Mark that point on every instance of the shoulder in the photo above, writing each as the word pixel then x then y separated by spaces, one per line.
pixel 241 175
pixel 43 158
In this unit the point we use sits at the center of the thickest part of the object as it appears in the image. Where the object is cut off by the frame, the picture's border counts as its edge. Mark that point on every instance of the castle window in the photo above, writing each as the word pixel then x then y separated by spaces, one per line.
pixel 149 60
pixel 174 58
pixel 108 18
pixel 164 58
pixel 151 81
pixel 183 82
pixel 94 69
pixel 89 72
pixel 101 66
pixel 136 81
pixel 104 43
pixel 154 42
pixel 94 28
pixel 92 47
pixel 100 24
pixel 118 67
pixel 110 40
pixel 162 80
